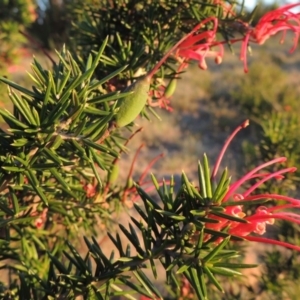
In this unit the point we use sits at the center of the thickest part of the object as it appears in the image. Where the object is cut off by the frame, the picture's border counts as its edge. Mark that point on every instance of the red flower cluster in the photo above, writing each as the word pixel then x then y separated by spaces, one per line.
pixel 263 215
pixel 281 19
pixel 201 42
pixel 199 45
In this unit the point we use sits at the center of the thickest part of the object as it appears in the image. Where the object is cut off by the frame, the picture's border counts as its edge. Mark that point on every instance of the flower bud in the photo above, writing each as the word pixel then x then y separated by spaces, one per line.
pixel 171 87
pixel 113 174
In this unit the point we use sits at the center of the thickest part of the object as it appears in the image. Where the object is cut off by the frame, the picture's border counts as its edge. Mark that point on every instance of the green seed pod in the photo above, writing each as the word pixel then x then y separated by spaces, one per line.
pixel 113 174
pixel 171 87
pixel 132 105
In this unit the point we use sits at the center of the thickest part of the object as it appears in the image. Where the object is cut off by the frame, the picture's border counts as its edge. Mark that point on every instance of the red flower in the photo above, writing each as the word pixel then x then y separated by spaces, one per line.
pixel 280 19
pixel 257 222
pixel 198 46
pixel 90 190
pixel 157 98
pixel 41 219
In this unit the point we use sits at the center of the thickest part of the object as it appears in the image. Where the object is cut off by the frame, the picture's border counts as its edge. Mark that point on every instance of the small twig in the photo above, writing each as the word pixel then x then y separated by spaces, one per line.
pixel 126 143
pixel 152 162
pixel 38 45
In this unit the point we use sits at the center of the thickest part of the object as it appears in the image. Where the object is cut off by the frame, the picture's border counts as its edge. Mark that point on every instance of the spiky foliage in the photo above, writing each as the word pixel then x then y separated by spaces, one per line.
pixel 59 156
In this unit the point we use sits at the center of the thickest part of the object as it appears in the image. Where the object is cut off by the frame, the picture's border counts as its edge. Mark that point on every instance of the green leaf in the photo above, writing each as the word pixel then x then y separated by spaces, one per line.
pixel 224 271
pixel 187 185
pixel 35 185
pixel 36 77
pixel 202 181
pixel 228 217
pixel 60 86
pixel 207 176
pixel 46 97
pixel 234 266
pixel 15 201
pixel 140 212
pixel 89 61
pixel 77 258
pixel 213 279
pixel 135 241
pixel 20 88
pixel 60 179
pixel 58 110
pixel 23 108
pixel 51 154
pixel 101 148
pixel 171 215
pixel 6 209
pixel 95 171
pixel 196 283
pixel 147 199
pixel 98 158
pixel 20 142
pixel 55 144
pixel 11 120
pixel 95 111
pixel 117 242
pixel 134 286
pixel 102 133
pixel 245 202
pixel 57 263
pixel 157 187
pixel 199 212
pixel 220 187
pixel 108 77
pixel 153 267
pixel 221 234
pixel 13 168
pixel 108 97
pixel 183 268
pixel 198 245
pixel 216 250
pixel 146 283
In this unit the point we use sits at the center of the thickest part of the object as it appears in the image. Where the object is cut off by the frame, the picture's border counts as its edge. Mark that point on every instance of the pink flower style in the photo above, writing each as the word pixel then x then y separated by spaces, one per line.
pixel 194 45
pixel 201 41
pixel 280 19
pixel 160 99
pixel 198 45
pixel 256 223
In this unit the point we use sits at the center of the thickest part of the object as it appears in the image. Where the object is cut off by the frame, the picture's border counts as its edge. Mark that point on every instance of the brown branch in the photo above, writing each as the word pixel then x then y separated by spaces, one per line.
pixel 38 45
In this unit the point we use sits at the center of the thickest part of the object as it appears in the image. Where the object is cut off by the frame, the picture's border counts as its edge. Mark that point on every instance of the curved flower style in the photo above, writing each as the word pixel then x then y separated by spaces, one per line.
pixel 256 223
pixel 201 42
pixel 280 19
pixel 198 46
pixel 160 98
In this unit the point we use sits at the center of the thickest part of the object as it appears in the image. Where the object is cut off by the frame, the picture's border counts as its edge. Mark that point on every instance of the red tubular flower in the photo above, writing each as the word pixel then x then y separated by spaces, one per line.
pixel 90 190
pixel 159 98
pixel 198 46
pixel 280 19
pixel 201 42
pixel 255 223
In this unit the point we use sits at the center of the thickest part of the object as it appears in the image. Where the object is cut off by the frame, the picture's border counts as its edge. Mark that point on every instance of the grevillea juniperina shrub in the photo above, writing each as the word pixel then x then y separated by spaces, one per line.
pixel 64 139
